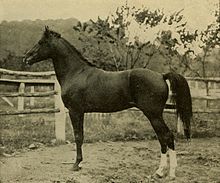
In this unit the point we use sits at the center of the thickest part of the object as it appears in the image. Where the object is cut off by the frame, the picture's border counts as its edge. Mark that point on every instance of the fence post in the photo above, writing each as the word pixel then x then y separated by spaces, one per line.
pixel 21 98
pixel 196 85
pixel 215 87
pixel 180 130
pixel 60 117
pixel 32 98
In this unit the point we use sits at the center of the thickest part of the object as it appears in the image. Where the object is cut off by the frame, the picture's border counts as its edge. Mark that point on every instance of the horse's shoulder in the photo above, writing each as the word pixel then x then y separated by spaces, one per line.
pixel 72 87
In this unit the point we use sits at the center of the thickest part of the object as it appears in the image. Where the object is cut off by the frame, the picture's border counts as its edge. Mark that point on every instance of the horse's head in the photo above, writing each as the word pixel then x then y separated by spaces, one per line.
pixel 43 49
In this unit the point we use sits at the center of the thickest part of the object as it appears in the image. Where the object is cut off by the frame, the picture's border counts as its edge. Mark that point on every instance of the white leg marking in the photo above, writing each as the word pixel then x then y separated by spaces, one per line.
pixel 163 165
pixel 173 162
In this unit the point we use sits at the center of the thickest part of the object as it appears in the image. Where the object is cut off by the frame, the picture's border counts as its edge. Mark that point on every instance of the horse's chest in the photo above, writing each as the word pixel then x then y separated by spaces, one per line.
pixel 72 96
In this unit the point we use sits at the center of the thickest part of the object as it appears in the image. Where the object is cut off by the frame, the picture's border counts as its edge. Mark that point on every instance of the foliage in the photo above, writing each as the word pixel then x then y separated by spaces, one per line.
pixel 132 37
pixel 208 40
pixel 12 62
pixel 163 31
pixel 179 45
pixel 112 40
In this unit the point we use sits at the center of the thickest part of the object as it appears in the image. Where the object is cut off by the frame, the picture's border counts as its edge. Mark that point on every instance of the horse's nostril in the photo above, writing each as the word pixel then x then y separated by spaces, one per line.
pixel 25 60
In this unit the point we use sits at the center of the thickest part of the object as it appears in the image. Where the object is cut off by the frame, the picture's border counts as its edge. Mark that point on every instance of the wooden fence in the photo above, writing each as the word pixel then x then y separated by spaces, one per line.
pixel 8 77
pixel 36 79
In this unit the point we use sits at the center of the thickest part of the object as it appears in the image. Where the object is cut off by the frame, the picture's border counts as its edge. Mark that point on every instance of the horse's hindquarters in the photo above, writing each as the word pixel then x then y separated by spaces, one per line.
pixel 148 90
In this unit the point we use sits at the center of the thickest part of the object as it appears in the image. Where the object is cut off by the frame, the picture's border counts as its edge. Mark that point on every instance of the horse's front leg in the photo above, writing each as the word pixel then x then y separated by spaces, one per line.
pixel 77 123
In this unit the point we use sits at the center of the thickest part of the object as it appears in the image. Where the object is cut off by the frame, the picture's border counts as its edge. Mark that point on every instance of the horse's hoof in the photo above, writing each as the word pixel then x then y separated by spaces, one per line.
pixel 156 175
pixel 76 168
pixel 171 178
pixel 154 178
pixel 160 173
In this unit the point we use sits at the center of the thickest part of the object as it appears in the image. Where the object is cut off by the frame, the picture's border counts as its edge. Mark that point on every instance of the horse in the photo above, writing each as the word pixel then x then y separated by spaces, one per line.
pixel 86 88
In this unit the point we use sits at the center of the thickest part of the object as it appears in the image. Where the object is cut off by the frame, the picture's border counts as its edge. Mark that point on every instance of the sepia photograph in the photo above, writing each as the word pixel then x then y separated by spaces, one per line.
pixel 104 91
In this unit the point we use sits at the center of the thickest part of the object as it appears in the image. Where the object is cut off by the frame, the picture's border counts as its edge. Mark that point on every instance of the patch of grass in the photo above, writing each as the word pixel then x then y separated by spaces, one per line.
pixel 117 127
pixel 19 132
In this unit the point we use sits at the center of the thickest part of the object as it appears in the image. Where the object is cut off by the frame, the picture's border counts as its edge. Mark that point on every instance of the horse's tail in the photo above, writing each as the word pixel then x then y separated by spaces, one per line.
pixel 182 99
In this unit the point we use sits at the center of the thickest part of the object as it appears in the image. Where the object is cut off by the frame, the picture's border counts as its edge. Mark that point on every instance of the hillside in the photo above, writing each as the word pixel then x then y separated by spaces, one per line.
pixel 18 36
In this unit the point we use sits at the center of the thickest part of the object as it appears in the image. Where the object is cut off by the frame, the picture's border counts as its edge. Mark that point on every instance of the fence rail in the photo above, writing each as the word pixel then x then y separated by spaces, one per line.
pixel 37 94
pixel 60 111
pixel 210 79
pixel 24 73
pixel 30 111
pixel 29 81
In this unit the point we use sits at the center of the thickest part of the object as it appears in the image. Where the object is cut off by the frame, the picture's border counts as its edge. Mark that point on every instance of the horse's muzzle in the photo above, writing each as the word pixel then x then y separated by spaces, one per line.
pixel 26 60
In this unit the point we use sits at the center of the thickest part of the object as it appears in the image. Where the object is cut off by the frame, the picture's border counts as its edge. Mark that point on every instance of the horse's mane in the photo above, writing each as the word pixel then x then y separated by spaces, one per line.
pixel 79 54
pixel 57 35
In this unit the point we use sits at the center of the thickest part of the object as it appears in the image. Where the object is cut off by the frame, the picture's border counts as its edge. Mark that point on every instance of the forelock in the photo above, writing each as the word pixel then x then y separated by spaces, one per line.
pixel 52 33
pixel 55 34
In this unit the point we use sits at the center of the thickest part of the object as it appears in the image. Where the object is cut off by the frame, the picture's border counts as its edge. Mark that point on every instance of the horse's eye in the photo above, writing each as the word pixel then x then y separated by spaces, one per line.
pixel 40 42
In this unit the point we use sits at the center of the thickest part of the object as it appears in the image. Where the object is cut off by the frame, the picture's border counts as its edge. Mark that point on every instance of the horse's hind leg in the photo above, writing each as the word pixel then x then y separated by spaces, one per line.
pixel 166 140
pixel 77 123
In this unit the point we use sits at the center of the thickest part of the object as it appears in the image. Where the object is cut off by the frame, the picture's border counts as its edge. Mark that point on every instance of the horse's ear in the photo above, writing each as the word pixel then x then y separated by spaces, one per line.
pixel 47 31
pixel 46 28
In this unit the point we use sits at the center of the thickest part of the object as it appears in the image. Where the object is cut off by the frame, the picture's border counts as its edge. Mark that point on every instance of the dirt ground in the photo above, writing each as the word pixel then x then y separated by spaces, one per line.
pixel 115 162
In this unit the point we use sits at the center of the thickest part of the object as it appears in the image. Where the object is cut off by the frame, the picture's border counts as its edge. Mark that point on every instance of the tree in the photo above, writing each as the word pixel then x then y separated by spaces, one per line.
pixel 177 44
pixel 132 37
pixel 91 47
pixel 208 40
pixel 164 32
pixel 112 39
pixel 12 61
pixel 196 47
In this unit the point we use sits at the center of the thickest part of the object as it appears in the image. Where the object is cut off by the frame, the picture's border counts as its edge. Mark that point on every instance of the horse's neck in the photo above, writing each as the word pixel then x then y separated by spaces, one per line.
pixel 66 61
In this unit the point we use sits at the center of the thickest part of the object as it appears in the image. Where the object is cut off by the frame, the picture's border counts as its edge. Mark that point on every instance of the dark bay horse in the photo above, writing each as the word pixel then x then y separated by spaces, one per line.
pixel 85 88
